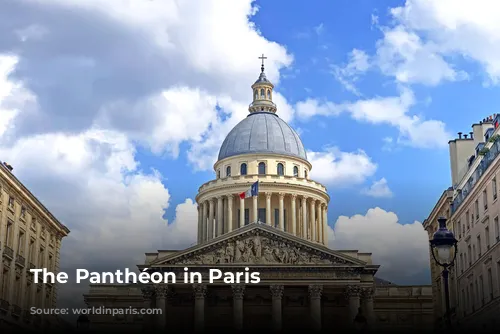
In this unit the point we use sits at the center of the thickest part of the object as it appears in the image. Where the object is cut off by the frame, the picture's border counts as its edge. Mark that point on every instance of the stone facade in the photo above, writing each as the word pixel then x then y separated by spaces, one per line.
pixel 30 237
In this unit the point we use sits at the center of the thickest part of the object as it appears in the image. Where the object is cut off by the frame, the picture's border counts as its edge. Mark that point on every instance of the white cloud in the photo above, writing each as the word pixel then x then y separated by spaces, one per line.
pixel 378 188
pixel 394 110
pixel 348 74
pixel 401 250
pixel 333 167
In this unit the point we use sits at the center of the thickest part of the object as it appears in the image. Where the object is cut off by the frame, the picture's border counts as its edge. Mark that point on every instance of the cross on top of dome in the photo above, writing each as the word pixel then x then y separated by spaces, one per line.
pixel 262 93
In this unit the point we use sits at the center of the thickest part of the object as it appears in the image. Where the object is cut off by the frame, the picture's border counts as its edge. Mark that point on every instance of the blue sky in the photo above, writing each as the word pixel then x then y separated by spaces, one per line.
pixel 113 112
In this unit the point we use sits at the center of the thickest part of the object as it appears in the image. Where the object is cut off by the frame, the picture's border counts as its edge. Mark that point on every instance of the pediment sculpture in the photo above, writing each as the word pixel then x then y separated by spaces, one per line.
pixel 258 250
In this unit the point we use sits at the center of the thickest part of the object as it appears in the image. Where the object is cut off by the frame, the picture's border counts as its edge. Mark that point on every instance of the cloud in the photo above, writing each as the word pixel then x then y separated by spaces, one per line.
pixel 336 168
pixel 400 249
pixel 348 74
pixel 393 110
pixel 378 188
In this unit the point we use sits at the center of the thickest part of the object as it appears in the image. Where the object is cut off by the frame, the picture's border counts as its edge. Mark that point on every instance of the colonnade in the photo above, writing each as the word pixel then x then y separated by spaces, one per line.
pixel 357 298
pixel 300 215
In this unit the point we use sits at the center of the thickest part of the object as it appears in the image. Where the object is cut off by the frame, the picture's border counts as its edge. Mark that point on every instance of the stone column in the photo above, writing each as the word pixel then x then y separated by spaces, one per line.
pixel 148 293
pixel 368 310
pixel 200 291
pixel 211 218
pixel 352 294
pixel 268 209
pixel 200 226
pixel 319 224
pixel 276 294
pixel 161 303
pixel 205 219
pixel 281 213
pixel 255 207
pixel 304 217
pixel 315 291
pixel 242 212
pixel 325 224
pixel 229 212
pixel 220 216
pixel 294 215
pixel 238 291
pixel 312 234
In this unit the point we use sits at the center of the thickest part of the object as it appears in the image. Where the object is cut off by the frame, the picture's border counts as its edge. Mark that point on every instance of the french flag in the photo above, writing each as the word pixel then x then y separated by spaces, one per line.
pixel 253 191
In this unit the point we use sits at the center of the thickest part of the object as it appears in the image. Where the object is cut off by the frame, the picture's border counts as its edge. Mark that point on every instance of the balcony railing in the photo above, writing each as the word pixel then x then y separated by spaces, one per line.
pixel 7 251
pixel 20 260
pixel 486 161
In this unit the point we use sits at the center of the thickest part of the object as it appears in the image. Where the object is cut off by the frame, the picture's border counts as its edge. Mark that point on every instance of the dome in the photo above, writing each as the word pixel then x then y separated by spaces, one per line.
pixel 262 132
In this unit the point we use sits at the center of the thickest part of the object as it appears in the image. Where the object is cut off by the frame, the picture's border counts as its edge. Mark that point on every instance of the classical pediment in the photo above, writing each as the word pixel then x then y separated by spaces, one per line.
pixel 258 244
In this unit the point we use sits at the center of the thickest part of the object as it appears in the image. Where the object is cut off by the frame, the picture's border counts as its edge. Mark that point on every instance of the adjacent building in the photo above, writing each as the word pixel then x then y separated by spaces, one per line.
pixel 30 237
pixel 280 230
pixel 474 219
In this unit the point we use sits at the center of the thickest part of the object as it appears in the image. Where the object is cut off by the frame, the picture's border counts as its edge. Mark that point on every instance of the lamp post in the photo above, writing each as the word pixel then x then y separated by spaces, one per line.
pixel 444 251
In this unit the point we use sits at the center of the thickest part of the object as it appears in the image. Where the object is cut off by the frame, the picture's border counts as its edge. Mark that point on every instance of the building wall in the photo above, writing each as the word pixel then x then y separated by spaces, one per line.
pixel 30 237
pixel 474 219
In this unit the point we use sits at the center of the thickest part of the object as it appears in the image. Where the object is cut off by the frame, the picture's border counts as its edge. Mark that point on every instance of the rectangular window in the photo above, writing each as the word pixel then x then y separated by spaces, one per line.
pixel 479 246
pixel 20 243
pixel 467 219
pixel 490 284
pixel 262 215
pixel 487 237
pixel 497 230
pixel 9 234
pixel 485 200
pixel 276 218
pixel 494 188
pixel 476 208
pixel 481 289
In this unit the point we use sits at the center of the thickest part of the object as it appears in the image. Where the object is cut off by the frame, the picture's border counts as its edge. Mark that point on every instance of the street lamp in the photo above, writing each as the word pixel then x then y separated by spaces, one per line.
pixel 83 322
pixel 444 252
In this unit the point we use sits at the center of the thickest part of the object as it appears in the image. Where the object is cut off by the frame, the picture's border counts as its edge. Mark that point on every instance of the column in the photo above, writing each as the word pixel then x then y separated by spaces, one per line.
pixel 238 291
pixel 352 294
pixel 304 217
pixel 147 294
pixel 255 206
pixel 325 224
pixel 204 220
pixel 368 310
pixel 161 303
pixel 210 224
pixel 200 291
pixel 268 209
pixel 294 215
pixel 200 226
pixel 315 291
pixel 220 216
pixel 312 220
pixel 319 224
pixel 229 213
pixel 276 294
pixel 281 212
pixel 242 212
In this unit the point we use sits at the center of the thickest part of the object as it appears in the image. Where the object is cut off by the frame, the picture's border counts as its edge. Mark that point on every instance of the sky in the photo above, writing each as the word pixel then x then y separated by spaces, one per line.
pixel 112 112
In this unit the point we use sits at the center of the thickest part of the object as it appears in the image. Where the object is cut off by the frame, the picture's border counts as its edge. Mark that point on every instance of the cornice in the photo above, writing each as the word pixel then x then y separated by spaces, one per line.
pixel 25 197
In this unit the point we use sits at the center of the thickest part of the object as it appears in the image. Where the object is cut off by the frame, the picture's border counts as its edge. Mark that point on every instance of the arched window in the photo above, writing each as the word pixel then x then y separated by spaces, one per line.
pixel 218 173
pixel 262 93
pixel 256 94
pixel 295 171
pixel 268 94
pixel 262 168
pixel 281 169
pixel 305 174
pixel 243 169
pixel 228 171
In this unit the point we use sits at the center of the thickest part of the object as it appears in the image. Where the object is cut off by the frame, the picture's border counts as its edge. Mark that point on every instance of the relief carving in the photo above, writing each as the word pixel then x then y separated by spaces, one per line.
pixel 147 292
pixel 161 290
pixel 258 250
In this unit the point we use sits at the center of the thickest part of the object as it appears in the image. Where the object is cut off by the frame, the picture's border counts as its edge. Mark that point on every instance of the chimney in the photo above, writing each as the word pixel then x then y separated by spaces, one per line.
pixel 9 167
pixel 465 136
pixel 460 135
pixel 471 135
